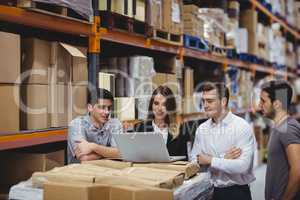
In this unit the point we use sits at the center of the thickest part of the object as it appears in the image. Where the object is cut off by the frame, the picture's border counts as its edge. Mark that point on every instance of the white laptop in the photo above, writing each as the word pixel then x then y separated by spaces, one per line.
pixel 144 147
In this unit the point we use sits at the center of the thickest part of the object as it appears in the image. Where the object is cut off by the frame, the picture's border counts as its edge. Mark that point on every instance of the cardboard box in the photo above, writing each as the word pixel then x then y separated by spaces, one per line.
pixel 36 61
pixel 140 10
pixel 115 164
pixel 124 108
pixel 173 84
pixel 35 107
pixel 190 9
pixel 139 193
pixel 9 106
pixel 58 191
pixel 189 169
pixel 163 178
pixel 248 20
pixel 172 16
pixel 107 81
pixel 10 51
pixel 252 43
pixel 77 102
pixel 80 67
pixel 118 6
pixel 159 79
pixel 58 105
pixel 20 166
pixel 188 82
pixel 154 13
pixel 68 63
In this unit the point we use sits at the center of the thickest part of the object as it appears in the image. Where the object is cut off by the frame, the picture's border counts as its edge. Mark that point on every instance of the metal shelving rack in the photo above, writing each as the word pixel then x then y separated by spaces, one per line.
pixel 95 33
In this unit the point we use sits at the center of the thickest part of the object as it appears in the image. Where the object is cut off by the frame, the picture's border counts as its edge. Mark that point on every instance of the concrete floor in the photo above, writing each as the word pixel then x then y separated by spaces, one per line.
pixel 258 186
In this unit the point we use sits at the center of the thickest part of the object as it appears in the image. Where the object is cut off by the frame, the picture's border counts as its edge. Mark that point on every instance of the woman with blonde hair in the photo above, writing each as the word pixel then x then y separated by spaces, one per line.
pixel 162 119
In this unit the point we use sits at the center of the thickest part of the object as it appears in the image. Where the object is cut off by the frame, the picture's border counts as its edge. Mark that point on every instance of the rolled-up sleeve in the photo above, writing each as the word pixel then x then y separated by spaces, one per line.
pixel 75 133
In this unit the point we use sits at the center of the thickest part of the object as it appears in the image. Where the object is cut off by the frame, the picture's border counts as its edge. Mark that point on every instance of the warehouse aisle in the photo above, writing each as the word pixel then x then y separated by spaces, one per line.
pixel 258 186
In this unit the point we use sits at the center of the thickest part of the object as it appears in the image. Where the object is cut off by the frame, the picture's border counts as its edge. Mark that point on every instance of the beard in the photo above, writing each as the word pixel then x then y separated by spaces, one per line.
pixel 270 114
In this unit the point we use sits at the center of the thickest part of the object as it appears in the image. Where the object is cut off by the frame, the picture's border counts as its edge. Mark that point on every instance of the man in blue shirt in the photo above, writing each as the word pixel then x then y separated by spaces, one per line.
pixel 90 136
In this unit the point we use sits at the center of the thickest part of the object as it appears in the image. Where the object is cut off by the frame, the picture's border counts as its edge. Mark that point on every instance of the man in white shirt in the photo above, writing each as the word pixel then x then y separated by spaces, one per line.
pixel 225 143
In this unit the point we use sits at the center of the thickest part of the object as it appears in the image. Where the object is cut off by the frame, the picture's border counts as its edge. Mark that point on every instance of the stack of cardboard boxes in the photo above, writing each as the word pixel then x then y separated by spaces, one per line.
pixel 10 57
pixel 108 179
pixel 165 15
pixel 193 25
pixel 46 88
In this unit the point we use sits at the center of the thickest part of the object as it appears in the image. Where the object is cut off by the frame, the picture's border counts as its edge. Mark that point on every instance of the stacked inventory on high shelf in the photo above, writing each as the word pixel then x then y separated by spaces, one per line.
pixel 130 47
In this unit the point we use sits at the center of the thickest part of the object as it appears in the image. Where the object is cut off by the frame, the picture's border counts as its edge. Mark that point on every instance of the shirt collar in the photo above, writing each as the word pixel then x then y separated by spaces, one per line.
pixel 225 121
pixel 93 127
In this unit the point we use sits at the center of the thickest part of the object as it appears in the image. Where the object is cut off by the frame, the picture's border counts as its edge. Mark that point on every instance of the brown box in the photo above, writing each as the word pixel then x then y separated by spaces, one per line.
pixel 190 9
pixel 172 16
pixel 20 166
pixel 252 43
pixel 36 61
pixel 58 191
pixel 140 10
pixel 58 105
pixel 173 84
pixel 188 82
pixel 154 13
pixel 9 106
pixel 77 102
pixel 139 193
pixel 10 57
pixel 189 169
pixel 115 164
pixel 248 19
pixel 68 63
pixel 159 79
pixel 34 107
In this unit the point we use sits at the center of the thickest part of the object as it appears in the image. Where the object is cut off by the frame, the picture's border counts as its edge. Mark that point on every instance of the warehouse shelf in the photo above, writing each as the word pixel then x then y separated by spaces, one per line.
pixel 45 21
pixel 31 138
pixel 286 26
pixel 244 65
pixel 137 41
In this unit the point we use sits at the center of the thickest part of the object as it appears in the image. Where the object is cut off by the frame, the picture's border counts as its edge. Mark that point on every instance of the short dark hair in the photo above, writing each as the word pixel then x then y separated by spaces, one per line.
pixel 279 90
pixel 101 94
pixel 221 89
pixel 170 102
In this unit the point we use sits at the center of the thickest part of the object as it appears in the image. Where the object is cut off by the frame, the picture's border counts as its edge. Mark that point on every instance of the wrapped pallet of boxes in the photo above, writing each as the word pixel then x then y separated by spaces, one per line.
pixel 59 191
pixel 10 56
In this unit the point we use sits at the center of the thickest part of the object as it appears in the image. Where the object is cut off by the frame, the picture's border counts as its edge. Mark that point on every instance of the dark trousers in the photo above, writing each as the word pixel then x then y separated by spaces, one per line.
pixel 235 192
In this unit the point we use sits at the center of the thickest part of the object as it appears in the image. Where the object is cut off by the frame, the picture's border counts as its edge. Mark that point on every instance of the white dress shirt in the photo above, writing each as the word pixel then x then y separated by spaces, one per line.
pixel 216 139
pixel 163 131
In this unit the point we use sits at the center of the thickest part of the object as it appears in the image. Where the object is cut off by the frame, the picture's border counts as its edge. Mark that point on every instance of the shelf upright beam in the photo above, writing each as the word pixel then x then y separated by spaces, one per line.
pixel 93 54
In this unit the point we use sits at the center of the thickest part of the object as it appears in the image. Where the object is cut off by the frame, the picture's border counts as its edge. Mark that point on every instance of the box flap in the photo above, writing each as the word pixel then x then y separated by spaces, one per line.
pixel 75 52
